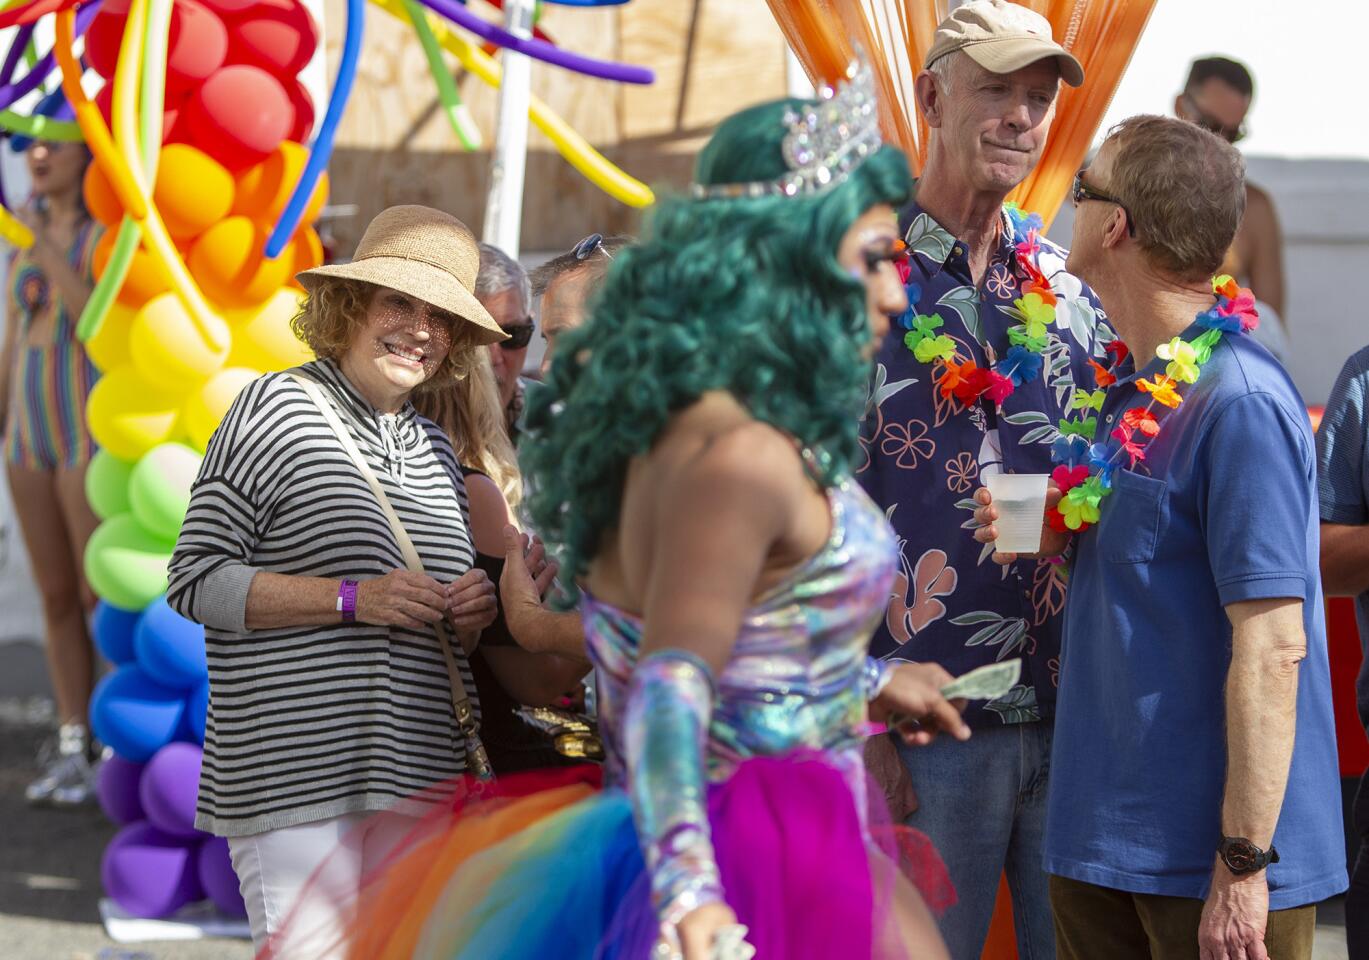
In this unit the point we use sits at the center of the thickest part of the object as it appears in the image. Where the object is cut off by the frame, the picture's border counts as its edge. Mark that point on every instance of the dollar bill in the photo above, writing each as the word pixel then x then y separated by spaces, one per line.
pixel 984 683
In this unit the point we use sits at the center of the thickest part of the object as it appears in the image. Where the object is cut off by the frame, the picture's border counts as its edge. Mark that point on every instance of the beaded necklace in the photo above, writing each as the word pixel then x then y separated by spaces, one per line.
pixel 1084 467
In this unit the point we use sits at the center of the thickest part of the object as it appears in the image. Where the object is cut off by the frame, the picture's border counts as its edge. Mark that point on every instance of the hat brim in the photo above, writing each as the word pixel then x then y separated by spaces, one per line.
pixel 1006 54
pixel 418 280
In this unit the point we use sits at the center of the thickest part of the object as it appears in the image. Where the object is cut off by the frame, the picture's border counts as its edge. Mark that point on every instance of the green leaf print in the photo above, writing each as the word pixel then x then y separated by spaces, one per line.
pixel 1018 705
pixel 926 237
pixel 965 302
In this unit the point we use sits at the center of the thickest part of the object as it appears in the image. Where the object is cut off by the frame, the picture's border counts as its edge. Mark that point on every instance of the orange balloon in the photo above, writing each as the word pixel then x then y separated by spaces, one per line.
pixel 308 250
pixel 146 276
pixel 100 198
pixel 193 190
pixel 264 189
pixel 228 264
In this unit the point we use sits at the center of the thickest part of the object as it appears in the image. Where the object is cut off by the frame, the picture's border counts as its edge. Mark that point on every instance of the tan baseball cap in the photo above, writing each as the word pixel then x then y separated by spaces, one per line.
pixel 1002 37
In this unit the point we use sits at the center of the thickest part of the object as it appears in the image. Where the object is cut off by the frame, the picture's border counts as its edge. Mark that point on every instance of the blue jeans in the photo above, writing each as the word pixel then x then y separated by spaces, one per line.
pixel 983 803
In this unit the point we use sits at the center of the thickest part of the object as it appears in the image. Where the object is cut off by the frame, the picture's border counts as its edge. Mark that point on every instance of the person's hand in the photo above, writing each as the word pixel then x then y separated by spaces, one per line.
pixel 401 598
pixel 1053 542
pixel 1234 917
pixel 912 704
pixel 471 602
pixel 700 926
pixel 528 574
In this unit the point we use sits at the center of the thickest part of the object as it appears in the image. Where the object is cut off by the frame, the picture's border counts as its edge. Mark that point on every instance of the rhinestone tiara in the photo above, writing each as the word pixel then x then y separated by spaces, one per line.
pixel 826 141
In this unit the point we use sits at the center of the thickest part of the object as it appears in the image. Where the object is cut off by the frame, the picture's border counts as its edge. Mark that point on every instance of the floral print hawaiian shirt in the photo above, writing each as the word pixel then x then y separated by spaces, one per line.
pixel 926 454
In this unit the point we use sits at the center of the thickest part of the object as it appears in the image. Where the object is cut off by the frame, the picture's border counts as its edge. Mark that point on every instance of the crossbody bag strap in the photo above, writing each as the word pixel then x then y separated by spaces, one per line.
pixel 461 701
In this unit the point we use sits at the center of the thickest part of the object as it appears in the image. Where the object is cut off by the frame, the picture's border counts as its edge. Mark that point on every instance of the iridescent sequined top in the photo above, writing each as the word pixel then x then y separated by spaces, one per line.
pixel 795 679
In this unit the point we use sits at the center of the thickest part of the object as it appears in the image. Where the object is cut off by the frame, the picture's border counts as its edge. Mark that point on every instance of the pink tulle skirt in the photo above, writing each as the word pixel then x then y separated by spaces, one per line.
pixel 548 864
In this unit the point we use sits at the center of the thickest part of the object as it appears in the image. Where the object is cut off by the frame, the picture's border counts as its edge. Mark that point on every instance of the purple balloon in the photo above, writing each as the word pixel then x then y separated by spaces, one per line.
pixel 170 787
pixel 215 869
pixel 116 786
pixel 538 49
pixel 148 873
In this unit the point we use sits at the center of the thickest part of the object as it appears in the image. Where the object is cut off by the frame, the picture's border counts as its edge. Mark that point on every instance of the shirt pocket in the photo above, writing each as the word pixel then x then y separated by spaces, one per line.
pixel 1132 517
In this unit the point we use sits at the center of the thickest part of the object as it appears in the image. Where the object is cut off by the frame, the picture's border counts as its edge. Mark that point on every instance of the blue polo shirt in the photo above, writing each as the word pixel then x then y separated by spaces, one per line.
pixel 1222 510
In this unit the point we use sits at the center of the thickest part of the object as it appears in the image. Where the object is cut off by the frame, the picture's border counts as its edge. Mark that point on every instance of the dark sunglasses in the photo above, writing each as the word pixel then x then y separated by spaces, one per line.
pixel 1082 192
pixel 1212 125
pixel 519 336
pixel 587 247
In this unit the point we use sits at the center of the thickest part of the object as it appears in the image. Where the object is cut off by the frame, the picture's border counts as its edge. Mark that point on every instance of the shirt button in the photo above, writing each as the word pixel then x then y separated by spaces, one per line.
pixel 1109 418
pixel 957 250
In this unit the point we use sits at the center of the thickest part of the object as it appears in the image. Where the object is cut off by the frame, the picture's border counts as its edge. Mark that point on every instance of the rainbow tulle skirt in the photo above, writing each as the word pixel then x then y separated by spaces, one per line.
pixel 548 864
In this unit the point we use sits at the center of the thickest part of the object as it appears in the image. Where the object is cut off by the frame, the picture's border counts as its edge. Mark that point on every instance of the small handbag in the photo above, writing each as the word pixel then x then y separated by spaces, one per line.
pixel 477 761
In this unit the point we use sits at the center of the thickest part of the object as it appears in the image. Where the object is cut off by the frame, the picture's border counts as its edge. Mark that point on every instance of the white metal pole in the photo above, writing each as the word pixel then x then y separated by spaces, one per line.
pixel 504 204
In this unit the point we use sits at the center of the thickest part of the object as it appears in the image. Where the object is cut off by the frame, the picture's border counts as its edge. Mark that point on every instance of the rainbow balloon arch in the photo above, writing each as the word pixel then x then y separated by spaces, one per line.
pixel 208 174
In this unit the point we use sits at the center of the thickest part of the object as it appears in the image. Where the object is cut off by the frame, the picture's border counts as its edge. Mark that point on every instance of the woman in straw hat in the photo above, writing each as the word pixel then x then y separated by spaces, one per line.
pixel 328 554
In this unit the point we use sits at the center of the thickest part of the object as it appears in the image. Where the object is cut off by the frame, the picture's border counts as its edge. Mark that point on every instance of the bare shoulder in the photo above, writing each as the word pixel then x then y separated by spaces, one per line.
pixel 1259 207
pixel 488 514
pixel 717 443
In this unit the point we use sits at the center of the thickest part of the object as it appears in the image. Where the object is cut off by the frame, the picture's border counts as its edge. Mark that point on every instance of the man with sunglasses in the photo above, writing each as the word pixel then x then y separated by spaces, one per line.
pixel 566 282
pixel 1193 809
pixel 503 289
pixel 1217 98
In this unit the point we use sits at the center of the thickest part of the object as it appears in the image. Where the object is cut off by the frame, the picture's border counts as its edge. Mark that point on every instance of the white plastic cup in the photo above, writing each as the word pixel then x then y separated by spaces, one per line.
pixel 1021 502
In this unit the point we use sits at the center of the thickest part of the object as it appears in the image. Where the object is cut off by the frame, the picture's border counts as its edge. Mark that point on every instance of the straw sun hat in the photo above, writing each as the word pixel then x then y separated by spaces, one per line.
pixel 425 253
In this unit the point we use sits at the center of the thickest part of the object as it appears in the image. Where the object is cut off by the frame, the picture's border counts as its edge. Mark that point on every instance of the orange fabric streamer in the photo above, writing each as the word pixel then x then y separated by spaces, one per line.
pixel 896 35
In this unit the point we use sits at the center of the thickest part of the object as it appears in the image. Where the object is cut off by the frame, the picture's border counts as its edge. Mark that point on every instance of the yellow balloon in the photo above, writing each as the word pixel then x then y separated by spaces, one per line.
pixel 128 416
pixel 109 347
pixel 205 408
pixel 263 340
pixel 167 347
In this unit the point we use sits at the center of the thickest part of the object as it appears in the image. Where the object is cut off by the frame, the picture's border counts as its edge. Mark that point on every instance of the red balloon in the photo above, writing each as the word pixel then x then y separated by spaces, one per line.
pixel 239 115
pixel 304 111
pixel 173 125
pixel 198 43
pixel 229 8
pixel 279 36
pixel 102 40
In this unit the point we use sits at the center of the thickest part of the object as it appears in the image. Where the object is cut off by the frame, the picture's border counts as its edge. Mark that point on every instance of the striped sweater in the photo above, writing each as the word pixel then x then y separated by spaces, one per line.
pixel 308 723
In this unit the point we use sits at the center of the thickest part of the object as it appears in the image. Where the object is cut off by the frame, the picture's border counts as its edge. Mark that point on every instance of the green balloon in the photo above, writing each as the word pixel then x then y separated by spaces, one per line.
pixel 125 564
pixel 107 484
pixel 159 489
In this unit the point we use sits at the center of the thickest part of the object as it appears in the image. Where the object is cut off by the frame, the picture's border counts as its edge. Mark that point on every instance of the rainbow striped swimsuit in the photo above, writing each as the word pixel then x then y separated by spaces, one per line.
pixel 46 428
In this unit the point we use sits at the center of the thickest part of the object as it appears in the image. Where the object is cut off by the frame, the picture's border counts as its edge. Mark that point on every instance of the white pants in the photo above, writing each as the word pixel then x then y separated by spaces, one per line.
pixel 331 857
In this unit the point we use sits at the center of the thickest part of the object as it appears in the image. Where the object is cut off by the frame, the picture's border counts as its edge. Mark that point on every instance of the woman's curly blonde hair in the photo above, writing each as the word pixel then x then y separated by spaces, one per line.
pixel 460 397
pixel 335 310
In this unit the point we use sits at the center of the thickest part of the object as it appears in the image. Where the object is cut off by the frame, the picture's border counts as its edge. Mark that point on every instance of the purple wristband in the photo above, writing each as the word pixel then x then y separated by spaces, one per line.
pixel 347 601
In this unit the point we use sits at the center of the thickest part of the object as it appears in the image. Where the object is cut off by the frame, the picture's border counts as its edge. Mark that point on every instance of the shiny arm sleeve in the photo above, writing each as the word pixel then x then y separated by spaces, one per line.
pixel 665 729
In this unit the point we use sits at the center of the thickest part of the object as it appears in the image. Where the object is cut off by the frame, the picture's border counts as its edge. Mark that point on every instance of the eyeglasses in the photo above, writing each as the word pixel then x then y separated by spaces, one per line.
pixel 1082 192
pixel 1212 125
pixel 587 247
pixel 520 336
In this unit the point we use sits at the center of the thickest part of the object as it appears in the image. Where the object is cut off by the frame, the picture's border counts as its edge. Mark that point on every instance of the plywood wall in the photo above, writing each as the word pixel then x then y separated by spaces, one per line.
pixel 711 57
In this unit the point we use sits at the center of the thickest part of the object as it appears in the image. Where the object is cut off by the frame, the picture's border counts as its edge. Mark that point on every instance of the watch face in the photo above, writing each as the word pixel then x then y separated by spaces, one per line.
pixel 1241 856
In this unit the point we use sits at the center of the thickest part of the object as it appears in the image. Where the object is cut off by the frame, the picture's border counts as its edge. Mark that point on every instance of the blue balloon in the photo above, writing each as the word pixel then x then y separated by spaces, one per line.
pixel 135 715
pixel 170 648
pixel 196 709
pixel 114 629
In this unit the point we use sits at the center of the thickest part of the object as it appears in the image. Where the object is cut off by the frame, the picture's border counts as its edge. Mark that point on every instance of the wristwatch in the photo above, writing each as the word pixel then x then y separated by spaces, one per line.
pixel 1242 857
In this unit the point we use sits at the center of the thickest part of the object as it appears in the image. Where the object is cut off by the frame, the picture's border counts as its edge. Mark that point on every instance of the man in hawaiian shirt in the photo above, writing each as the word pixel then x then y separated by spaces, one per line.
pixel 961 397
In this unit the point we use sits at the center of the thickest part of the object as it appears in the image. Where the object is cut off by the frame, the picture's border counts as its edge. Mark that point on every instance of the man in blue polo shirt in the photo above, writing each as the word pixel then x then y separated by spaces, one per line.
pixel 1194 805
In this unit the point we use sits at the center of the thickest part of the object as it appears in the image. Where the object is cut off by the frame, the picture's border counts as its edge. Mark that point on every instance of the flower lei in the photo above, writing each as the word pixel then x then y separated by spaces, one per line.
pixel 1085 468
pixel 959 376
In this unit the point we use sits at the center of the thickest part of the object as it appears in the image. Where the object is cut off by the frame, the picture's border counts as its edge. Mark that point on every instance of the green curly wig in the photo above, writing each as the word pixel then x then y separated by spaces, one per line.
pixel 743 295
